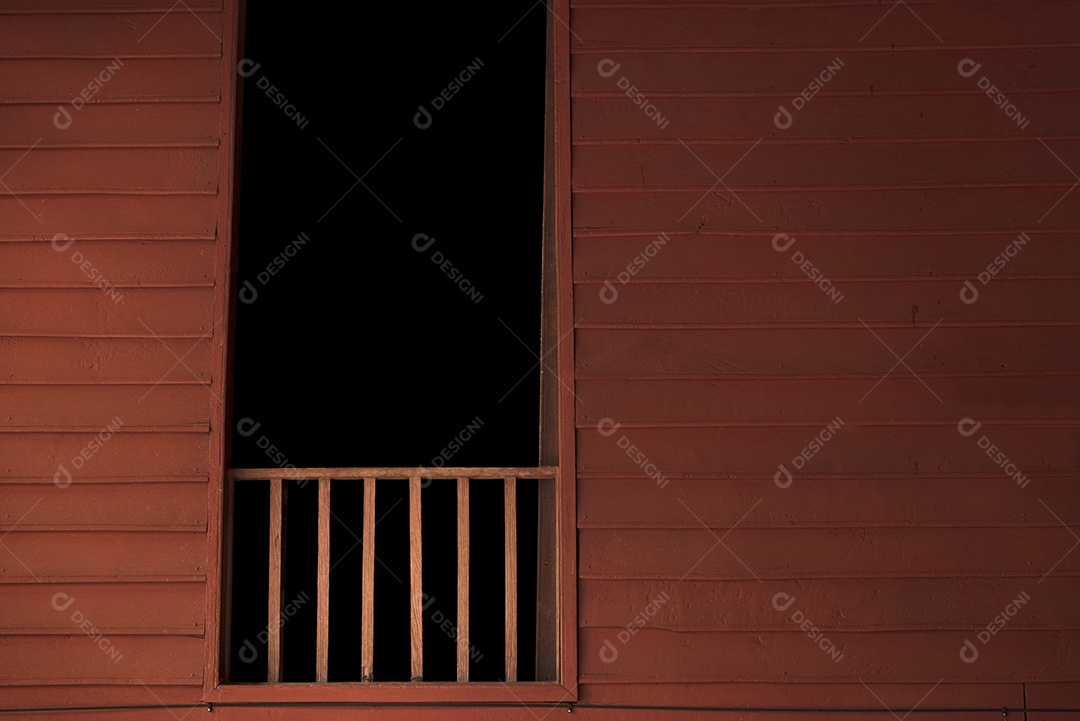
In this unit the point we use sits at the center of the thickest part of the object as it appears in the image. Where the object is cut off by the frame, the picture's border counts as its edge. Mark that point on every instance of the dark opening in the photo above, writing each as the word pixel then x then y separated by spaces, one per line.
pixel 388 311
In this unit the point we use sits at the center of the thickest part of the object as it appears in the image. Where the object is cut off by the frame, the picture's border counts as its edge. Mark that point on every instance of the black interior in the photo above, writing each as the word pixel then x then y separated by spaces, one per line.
pixel 353 347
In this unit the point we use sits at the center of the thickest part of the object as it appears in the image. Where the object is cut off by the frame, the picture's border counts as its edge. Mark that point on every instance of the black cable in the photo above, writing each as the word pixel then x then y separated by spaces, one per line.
pixel 1004 711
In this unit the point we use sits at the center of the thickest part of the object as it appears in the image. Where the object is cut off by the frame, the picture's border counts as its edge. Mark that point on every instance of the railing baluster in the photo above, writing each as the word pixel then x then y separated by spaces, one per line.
pixel 510 527
pixel 367 632
pixel 273 627
pixel 322 622
pixel 278 485
pixel 416 574
pixel 463 579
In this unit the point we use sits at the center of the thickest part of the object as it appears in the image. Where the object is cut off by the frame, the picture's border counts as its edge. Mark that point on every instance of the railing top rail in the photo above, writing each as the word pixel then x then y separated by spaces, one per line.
pixel 398 473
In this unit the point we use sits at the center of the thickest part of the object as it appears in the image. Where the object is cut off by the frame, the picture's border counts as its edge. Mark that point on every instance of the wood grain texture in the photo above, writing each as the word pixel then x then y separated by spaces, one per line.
pixel 83 312
pixel 511 593
pixel 322 621
pixel 615 117
pixel 804 553
pixel 416 580
pixel 743 257
pixel 275 588
pixel 793 657
pixel 367 611
pixel 103 556
pixel 110 34
pixel 599 25
pixel 116 608
pixel 826 351
pixel 463 579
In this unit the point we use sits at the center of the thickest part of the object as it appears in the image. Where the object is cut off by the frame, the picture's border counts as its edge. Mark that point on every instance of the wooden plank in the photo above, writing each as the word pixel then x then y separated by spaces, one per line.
pixel 91 407
pixel 97 694
pixel 99 123
pixel 730 70
pixel 102 555
pixel 108 214
pixel 851 449
pixel 463 579
pixel 86 506
pixel 806 553
pixel 801 301
pixel 547 648
pixel 795 400
pixel 901 697
pixel 275 588
pixel 111 169
pixel 113 608
pixel 132 360
pixel 1050 695
pixel 40 455
pixel 755 26
pixel 129 261
pixel 565 591
pixel 849 604
pixel 367 617
pixel 80 658
pixel 136 33
pixel 342 474
pixel 64 80
pixel 830 116
pixel 215 662
pixel 92 311
pixel 113 6
pixel 462 629
pixel 510 546
pixel 322 632
pixel 549 304
pixel 416 580
pixel 819 209
pixel 853 501
pixel 915 255
pixel 823 351
pixel 666 164
pixel 653 655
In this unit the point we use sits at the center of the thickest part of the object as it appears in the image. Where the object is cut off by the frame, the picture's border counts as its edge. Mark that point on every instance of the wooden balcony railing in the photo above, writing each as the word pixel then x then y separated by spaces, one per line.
pixel 416 479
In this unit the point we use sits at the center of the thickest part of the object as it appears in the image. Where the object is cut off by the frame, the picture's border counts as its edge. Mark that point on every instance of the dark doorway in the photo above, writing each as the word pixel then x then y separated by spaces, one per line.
pixel 388 306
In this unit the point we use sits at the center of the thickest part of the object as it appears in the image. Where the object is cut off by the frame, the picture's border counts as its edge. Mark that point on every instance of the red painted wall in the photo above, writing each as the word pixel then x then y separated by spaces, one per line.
pixel 707 359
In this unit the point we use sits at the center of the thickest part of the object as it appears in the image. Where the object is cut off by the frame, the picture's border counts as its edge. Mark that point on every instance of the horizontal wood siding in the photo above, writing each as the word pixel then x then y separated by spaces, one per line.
pixel 716 562
pixel 107 277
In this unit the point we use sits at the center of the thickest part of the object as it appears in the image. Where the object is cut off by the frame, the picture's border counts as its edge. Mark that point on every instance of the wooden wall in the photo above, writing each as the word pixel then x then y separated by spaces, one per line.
pixel 899 539
pixel 126 187
pixel 718 361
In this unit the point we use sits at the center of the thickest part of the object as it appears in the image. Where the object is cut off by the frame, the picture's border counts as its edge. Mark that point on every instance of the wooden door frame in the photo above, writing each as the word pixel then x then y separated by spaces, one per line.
pixel 558 223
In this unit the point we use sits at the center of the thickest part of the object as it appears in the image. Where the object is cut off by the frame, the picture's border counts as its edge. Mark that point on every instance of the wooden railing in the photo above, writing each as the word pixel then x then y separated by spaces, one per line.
pixel 416 478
